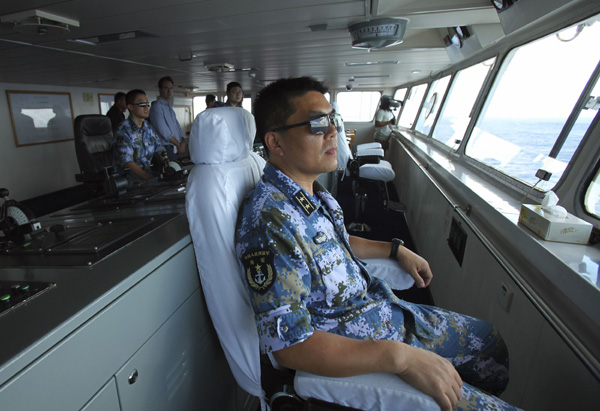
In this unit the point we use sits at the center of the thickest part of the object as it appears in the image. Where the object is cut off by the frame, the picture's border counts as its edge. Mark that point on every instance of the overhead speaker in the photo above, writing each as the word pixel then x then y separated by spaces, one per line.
pixel 378 33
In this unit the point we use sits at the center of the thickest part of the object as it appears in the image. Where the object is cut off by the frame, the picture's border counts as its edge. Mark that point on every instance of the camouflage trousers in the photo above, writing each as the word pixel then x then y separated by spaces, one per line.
pixel 473 346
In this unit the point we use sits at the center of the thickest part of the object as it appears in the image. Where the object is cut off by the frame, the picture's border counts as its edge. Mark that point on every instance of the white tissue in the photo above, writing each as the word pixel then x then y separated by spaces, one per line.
pixel 549 205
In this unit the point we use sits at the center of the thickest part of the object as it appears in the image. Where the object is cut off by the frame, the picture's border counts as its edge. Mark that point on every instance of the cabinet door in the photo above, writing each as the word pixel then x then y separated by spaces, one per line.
pixel 107 399
pixel 181 367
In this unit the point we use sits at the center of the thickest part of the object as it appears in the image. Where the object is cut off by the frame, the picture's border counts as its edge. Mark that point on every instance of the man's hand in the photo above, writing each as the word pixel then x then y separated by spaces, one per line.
pixel 416 266
pixel 432 375
pixel 181 146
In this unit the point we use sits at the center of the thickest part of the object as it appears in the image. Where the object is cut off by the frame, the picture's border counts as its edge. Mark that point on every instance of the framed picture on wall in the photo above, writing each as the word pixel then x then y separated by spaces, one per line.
pixel 105 101
pixel 40 117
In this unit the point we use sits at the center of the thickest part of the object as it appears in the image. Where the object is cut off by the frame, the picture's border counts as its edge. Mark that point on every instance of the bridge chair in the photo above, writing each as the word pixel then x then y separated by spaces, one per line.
pixel 364 166
pixel 225 171
pixel 93 148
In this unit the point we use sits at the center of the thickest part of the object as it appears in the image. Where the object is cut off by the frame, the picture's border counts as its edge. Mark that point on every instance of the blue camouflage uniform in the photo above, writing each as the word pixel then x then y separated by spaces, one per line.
pixel 302 275
pixel 137 144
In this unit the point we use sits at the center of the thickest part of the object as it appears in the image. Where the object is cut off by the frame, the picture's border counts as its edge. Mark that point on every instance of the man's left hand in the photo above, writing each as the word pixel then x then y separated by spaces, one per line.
pixel 416 266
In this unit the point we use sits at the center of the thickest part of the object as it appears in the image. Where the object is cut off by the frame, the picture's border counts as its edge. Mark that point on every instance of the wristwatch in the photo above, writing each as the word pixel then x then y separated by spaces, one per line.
pixel 396 243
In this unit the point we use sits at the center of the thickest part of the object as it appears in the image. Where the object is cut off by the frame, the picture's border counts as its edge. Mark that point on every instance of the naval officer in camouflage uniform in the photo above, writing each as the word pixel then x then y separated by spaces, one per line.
pixel 316 306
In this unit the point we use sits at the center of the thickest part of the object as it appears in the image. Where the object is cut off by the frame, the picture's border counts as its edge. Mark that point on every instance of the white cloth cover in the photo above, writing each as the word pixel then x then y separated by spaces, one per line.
pixel 390 271
pixel 361 152
pixel 365 146
pixel 370 392
pixel 225 171
pixel 381 171
pixel 221 136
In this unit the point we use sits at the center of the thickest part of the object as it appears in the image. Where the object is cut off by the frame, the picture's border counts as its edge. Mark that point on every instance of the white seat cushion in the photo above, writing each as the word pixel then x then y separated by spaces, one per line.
pixel 366 146
pixel 378 152
pixel 381 171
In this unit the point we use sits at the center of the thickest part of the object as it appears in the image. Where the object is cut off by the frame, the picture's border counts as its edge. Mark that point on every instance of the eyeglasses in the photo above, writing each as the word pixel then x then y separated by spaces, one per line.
pixel 143 104
pixel 319 125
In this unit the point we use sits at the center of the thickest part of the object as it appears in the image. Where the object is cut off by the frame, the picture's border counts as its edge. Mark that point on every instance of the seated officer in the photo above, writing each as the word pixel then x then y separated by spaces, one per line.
pixel 136 142
pixel 317 308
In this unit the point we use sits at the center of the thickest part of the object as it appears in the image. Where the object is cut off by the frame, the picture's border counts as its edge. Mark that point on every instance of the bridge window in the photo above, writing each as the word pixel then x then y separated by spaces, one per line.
pixel 411 105
pixel 534 116
pixel 592 196
pixel 400 94
pixel 433 101
pixel 199 103
pixel 456 113
pixel 358 106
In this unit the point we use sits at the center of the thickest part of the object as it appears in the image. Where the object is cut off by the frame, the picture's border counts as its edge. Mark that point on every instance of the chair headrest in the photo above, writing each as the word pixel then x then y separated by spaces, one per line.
pixel 222 135
pixel 92 125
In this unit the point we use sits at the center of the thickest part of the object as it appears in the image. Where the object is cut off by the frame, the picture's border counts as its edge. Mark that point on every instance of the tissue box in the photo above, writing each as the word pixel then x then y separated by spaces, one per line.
pixel 567 230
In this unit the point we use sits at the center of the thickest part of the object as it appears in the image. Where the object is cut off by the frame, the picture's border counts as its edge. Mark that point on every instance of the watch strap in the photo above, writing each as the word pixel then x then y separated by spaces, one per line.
pixel 396 243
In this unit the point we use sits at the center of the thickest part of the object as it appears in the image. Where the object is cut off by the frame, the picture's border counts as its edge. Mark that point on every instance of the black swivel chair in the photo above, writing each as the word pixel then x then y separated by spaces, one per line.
pixel 93 147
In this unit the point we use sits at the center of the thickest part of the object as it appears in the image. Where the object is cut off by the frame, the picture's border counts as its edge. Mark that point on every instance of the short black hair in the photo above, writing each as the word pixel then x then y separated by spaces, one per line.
pixel 272 106
pixel 209 98
pixel 162 81
pixel 119 96
pixel 232 85
pixel 132 94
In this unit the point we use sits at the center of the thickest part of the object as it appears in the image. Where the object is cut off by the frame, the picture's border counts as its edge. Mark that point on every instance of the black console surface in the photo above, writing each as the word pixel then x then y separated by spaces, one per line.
pixel 78 242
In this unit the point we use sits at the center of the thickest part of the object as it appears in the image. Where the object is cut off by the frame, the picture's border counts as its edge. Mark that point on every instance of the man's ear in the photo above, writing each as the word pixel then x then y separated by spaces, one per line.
pixel 273 142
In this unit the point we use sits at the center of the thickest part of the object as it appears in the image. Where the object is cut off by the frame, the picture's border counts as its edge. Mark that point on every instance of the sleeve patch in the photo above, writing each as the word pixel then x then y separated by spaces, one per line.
pixel 259 270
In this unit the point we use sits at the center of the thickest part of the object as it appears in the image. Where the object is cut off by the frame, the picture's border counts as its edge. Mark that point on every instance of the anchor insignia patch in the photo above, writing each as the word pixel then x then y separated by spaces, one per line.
pixel 260 273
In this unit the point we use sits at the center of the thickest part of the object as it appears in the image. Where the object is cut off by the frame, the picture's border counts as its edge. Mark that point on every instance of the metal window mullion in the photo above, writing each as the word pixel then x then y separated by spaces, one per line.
pixel 581 102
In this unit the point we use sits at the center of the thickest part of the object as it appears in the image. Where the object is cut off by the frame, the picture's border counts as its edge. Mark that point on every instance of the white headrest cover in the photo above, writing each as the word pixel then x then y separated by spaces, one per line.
pixel 222 135
pixel 343 154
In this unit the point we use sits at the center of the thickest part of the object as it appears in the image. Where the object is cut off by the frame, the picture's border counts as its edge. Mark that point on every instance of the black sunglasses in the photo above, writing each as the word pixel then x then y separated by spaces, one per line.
pixel 145 104
pixel 319 125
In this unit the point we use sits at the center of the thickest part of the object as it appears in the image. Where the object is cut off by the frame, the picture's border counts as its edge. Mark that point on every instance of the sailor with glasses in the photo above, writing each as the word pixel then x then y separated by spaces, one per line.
pixel 316 306
pixel 136 142
pixel 235 95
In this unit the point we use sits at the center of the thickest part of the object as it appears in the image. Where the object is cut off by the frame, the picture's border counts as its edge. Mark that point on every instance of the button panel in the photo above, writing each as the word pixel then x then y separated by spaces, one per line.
pixel 16 293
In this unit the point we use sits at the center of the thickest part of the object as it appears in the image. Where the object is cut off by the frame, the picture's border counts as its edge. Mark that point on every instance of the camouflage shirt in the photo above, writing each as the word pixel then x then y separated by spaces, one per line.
pixel 137 144
pixel 301 273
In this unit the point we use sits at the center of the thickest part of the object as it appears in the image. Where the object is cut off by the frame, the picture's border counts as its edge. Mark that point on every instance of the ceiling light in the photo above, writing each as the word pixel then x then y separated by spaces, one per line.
pixel 378 33
pixel 39 22
pixel 114 37
pixel 371 63
pixel 374 76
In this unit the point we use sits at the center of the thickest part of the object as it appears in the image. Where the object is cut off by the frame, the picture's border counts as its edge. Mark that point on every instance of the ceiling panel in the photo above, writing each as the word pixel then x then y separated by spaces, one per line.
pixel 273 37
